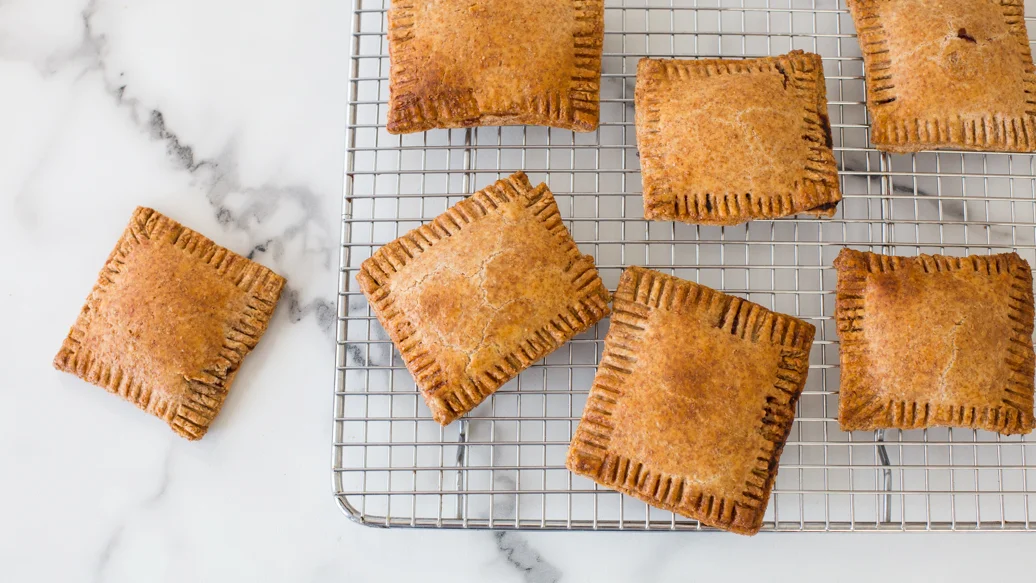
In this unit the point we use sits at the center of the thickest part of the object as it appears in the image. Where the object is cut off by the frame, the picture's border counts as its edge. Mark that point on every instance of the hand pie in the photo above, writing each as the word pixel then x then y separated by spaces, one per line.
pixel 949 74
pixel 169 322
pixel 494 62
pixel 935 340
pixel 725 141
pixel 483 291
pixel 693 400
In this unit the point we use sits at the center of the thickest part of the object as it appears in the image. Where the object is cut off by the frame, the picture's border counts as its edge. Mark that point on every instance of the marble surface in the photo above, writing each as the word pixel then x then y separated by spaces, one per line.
pixel 228 116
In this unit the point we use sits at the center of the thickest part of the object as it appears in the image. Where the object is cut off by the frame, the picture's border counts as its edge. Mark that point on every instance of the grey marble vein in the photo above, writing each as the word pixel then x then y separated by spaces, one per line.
pixel 520 555
pixel 114 540
pixel 262 247
pixel 182 153
pixel 356 357
pixel 104 557
pixel 322 310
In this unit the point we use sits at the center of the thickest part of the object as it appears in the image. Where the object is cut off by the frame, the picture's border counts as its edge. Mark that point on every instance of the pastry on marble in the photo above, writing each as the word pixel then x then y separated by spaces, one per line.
pixel 169 322
pixel 693 400
pixel 949 74
pixel 935 340
pixel 494 62
pixel 481 292
pixel 725 141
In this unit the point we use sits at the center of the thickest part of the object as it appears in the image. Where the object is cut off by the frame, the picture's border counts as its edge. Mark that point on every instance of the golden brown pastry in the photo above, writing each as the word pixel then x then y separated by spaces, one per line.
pixel 484 290
pixel 169 321
pixel 494 62
pixel 947 74
pixel 693 400
pixel 935 340
pixel 725 141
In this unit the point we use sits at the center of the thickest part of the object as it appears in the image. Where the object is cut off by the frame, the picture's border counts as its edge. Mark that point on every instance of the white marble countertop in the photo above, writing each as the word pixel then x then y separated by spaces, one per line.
pixel 227 115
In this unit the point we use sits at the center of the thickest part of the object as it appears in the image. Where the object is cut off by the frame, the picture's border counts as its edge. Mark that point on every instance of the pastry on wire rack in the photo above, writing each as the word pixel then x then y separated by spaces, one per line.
pixel 481 292
pixel 494 62
pixel 723 141
pixel 693 400
pixel 935 341
pixel 951 74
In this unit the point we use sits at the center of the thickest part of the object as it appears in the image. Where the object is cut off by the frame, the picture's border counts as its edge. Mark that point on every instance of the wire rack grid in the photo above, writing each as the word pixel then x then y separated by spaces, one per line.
pixel 503 465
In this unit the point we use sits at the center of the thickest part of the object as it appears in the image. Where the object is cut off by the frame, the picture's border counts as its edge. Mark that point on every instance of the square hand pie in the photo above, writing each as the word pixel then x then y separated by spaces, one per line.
pixel 481 292
pixel 726 141
pixel 494 62
pixel 693 400
pixel 169 322
pixel 947 74
pixel 935 340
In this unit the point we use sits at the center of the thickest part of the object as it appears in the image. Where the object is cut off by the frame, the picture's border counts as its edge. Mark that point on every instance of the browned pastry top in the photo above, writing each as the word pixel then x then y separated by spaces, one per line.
pixel 935 340
pixel 169 322
pixel 483 291
pixel 495 62
pixel 948 73
pixel 726 141
pixel 693 400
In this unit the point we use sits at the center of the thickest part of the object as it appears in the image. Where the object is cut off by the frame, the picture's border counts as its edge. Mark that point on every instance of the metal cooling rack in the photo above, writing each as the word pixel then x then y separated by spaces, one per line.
pixel 503 465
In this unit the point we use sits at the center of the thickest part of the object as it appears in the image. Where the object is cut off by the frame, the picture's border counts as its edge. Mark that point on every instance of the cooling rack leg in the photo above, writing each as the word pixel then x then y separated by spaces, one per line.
pixel 461 462
pixel 885 509
pixel 888 189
